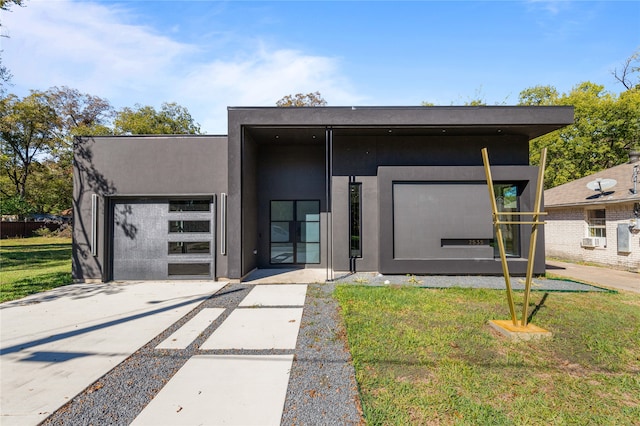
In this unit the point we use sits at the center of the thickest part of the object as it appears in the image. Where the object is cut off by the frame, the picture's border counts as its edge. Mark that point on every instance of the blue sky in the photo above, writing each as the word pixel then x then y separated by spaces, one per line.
pixel 207 55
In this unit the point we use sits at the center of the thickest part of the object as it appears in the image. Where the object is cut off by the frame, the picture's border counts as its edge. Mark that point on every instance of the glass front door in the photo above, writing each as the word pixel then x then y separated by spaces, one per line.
pixel 295 232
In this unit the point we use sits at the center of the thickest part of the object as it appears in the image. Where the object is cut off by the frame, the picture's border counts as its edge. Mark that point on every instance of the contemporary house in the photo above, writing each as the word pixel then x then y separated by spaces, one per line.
pixel 596 218
pixel 390 189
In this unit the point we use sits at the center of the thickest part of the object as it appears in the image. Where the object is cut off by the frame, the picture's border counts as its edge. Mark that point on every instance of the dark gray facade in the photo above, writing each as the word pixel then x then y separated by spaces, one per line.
pixel 291 175
pixel 122 186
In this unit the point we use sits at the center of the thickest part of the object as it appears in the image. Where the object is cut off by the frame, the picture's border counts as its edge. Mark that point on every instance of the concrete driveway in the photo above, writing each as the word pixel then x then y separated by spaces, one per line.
pixel 54 344
pixel 600 276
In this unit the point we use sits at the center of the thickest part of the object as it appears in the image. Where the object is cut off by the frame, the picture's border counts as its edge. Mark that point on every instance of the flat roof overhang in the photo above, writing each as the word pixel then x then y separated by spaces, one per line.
pixel 303 122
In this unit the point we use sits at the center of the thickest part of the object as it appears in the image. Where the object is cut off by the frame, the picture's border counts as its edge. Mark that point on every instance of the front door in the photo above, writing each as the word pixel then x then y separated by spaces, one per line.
pixel 294 232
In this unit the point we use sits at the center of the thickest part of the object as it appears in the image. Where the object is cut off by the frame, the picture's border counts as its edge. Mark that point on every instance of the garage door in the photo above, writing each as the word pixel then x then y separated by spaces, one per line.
pixel 163 239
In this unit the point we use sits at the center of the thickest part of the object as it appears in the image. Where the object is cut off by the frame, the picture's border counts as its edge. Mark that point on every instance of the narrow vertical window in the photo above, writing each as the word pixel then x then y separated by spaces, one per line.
pixel 507 200
pixel 355 215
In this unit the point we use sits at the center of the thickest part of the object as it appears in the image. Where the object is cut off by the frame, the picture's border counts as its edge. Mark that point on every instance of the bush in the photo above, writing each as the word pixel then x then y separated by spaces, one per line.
pixel 44 232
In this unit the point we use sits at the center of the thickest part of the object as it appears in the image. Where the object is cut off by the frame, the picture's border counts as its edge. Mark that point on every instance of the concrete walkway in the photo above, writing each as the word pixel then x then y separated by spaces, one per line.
pixel 599 276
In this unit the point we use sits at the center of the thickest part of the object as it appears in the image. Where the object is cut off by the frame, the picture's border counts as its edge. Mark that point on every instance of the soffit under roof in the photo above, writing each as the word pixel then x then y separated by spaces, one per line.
pixel 267 122
pixel 269 134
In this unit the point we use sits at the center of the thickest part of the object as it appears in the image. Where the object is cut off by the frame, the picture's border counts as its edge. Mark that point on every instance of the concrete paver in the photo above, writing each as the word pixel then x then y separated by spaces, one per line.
pixel 222 390
pixel 276 295
pixel 186 334
pixel 55 344
pixel 600 276
pixel 262 328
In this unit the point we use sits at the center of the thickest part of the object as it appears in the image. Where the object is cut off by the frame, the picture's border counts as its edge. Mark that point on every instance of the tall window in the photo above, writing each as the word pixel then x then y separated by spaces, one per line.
pixel 508 201
pixel 355 215
pixel 596 223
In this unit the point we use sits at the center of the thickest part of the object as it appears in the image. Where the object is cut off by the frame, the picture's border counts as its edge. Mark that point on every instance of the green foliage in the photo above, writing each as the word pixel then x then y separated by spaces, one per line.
pixel 427 356
pixel 32 265
pixel 15 205
pixel 172 119
pixel 606 126
pixel 27 132
pixel 539 96
pixel 37 139
pixel 51 185
pixel 300 100
pixel 43 232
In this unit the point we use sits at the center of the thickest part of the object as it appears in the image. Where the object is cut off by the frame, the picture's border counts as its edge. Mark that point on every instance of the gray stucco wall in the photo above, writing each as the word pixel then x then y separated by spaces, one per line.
pixel 153 166
pixel 289 172
pixel 472 179
pixel 361 158
pixel 248 214
pixel 362 155
pixel 456 135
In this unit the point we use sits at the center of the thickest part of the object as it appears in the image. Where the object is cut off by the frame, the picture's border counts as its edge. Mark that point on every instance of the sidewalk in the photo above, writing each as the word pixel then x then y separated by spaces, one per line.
pixel 599 276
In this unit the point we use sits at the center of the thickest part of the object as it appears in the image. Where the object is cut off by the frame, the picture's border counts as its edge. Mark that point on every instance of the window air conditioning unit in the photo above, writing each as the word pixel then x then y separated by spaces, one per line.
pixel 594 242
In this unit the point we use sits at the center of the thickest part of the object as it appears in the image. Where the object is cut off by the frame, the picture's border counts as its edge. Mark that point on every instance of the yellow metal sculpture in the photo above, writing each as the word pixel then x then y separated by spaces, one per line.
pixel 498 220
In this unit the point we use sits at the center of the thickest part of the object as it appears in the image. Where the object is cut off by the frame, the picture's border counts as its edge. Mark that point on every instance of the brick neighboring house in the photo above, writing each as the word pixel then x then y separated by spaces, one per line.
pixel 594 226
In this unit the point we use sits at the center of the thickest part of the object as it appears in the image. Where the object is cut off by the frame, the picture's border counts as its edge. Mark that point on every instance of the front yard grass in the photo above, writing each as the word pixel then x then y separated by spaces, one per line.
pixel 31 265
pixel 427 356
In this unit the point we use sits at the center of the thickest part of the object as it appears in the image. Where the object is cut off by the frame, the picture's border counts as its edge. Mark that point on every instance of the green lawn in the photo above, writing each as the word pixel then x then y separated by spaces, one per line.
pixel 427 356
pixel 31 265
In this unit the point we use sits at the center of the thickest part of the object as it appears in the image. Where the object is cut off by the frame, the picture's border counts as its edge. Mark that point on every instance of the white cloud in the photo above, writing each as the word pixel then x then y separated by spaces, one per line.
pixel 86 46
pixel 262 79
pixel 98 49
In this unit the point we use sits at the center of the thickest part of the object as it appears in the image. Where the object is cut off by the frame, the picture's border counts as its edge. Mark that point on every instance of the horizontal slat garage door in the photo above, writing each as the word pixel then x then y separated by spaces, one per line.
pixel 163 239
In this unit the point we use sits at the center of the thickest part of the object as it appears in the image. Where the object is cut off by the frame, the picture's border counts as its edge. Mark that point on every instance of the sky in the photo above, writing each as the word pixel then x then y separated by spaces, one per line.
pixel 207 55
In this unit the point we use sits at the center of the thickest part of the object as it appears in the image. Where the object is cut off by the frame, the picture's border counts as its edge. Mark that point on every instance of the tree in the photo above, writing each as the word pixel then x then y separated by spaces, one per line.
pixel 36 136
pixel 50 186
pixel 606 126
pixel 79 114
pixel 27 132
pixel 300 100
pixel 630 66
pixel 539 96
pixel 172 119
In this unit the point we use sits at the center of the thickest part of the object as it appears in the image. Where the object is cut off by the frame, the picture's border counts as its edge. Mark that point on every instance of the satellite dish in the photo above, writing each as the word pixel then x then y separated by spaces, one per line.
pixel 601 184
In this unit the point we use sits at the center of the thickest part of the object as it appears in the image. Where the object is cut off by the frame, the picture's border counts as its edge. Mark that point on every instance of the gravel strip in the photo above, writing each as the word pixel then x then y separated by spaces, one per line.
pixel 322 386
pixel 466 281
